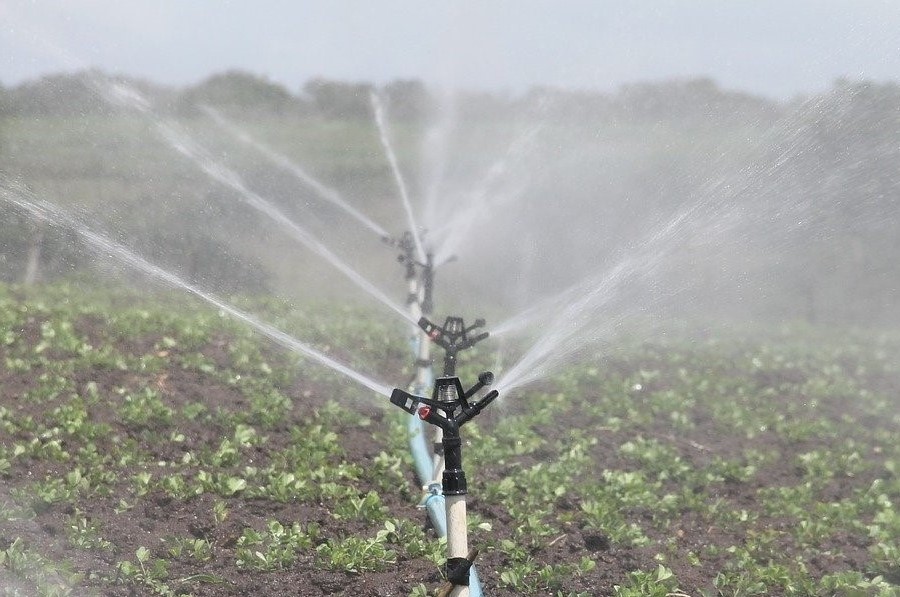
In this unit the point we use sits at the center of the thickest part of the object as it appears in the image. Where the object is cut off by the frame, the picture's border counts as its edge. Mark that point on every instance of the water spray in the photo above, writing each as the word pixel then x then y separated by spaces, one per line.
pixel 122 95
pixel 23 200
pixel 325 192
pixel 449 398
pixel 378 109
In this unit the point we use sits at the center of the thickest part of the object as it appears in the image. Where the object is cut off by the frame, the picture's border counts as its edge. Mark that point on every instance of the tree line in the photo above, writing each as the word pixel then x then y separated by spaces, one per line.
pixel 838 180
pixel 407 99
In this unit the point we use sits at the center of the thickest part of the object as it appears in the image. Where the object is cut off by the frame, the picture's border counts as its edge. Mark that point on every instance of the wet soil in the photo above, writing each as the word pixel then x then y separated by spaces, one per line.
pixel 129 520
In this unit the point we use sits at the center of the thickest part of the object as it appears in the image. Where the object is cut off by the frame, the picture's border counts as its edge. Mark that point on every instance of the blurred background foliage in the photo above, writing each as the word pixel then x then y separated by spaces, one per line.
pixel 815 183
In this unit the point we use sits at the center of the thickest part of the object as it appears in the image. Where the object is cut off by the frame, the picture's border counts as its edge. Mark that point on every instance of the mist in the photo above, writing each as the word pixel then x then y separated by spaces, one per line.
pixel 676 226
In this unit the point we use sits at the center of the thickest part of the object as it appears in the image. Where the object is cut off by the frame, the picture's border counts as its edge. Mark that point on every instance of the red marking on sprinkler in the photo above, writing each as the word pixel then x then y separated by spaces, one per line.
pixel 424 411
pixel 434 335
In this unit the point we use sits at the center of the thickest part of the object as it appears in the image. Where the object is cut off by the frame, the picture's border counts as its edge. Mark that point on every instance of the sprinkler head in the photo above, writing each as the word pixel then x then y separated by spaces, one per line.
pixel 458 410
pixel 405 400
pixel 453 336
pixel 454 326
pixel 485 379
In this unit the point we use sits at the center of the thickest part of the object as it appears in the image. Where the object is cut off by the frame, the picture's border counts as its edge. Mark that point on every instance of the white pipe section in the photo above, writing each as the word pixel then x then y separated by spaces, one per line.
pixel 457 534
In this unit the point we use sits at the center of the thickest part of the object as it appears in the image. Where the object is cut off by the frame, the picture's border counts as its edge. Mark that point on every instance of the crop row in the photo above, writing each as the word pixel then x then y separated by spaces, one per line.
pixel 171 450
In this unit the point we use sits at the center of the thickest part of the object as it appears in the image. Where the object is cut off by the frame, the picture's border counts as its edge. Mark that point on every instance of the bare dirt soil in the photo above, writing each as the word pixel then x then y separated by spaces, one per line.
pixel 698 545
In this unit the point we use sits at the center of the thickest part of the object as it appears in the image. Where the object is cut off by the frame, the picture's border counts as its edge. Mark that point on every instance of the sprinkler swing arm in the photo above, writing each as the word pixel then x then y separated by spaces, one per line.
pixel 459 411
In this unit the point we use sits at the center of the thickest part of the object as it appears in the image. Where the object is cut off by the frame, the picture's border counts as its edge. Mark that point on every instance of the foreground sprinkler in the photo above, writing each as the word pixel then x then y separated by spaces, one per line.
pixel 449 398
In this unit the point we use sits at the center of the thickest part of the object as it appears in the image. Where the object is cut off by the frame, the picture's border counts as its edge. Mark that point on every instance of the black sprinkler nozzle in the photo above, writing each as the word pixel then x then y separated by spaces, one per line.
pixel 407 256
pixel 473 411
pixel 407 247
pixel 405 400
pixel 457 411
pixel 453 335
pixel 485 379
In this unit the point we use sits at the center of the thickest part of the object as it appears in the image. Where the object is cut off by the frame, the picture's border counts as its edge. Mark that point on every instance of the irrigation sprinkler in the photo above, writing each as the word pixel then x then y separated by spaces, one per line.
pixel 449 398
pixel 453 337
pixel 447 511
pixel 407 256
pixel 419 302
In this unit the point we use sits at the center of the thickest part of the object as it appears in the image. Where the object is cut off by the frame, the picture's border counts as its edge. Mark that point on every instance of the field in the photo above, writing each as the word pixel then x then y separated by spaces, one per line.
pixel 149 446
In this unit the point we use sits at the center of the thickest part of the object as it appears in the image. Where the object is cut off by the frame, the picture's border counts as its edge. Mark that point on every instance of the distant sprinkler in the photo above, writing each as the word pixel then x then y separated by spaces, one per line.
pixel 407 257
pixel 419 301
pixel 453 337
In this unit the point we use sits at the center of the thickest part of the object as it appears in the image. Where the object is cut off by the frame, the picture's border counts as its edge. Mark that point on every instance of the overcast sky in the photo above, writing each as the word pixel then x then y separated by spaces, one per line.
pixel 778 48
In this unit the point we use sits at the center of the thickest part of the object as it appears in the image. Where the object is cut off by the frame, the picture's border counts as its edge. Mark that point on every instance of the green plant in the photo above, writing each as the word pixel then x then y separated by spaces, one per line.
pixel 361 507
pixel 410 537
pixel 146 570
pixel 145 409
pixel 84 533
pixel 661 583
pixel 356 554
pixel 196 549
pixel 274 549
pixel 34 573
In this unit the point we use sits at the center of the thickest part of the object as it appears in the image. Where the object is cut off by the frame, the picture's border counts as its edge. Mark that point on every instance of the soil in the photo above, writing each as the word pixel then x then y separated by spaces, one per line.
pixel 148 520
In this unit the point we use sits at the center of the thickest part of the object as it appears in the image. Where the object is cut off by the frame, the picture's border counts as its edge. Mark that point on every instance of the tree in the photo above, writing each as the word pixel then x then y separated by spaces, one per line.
pixel 339 100
pixel 407 99
pixel 239 90
pixel 57 95
pixel 699 98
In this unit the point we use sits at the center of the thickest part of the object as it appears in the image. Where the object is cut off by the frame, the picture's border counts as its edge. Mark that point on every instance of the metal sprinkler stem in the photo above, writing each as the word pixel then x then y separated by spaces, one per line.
pixel 428 285
pixel 458 411
pixel 422 287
